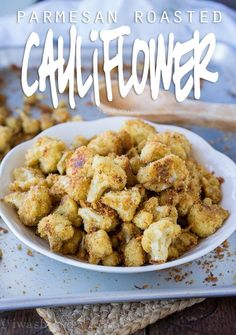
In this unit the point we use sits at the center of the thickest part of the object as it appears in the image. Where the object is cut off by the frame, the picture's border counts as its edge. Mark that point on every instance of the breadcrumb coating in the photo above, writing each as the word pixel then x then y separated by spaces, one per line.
pixel 57 229
pixel 204 219
pixel 166 172
pixel 46 152
pixel 134 254
pixel 107 175
pixel 106 143
pixel 124 202
pixel 98 246
pixel 138 130
pixel 158 237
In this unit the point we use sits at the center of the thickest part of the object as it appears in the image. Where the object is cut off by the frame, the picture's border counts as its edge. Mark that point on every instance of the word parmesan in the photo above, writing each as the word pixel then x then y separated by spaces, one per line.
pixel 163 62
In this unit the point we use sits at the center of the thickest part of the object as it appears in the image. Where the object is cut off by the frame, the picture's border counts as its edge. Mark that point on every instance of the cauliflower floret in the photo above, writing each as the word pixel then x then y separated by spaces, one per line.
pixel 152 212
pixel 204 219
pixel 164 173
pixel 76 187
pixel 107 175
pixel 181 244
pixel 124 163
pixel 127 231
pixel 57 229
pixel 5 138
pixel 13 123
pixel 69 208
pixel 135 160
pixel 178 143
pixel 105 143
pixel 211 185
pixel 124 202
pixel 61 165
pixel 112 260
pixel 143 219
pixel 150 204
pixel 4 113
pixel 138 130
pixel 71 245
pixel 79 141
pixel 15 199
pixel 134 254
pixel 100 217
pixel 61 113
pixel 46 152
pixel 98 246
pixel 126 140
pixel 32 100
pixel 192 194
pixel 29 124
pixel 153 151
pixel 46 121
pixel 158 237
pixel 25 177
pixel 31 205
pixel 82 252
pixel 80 163
pixel 169 197
pixel 162 212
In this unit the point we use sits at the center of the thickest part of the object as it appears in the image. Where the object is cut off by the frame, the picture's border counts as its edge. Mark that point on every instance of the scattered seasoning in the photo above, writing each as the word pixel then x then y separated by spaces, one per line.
pixel 15 67
pixel 3 230
pixel 143 287
pixel 19 247
pixel 211 278
pixel 1 254
pixel 29 252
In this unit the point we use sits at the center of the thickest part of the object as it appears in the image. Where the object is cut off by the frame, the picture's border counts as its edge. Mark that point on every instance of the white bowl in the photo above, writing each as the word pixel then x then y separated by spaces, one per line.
pixel 202 151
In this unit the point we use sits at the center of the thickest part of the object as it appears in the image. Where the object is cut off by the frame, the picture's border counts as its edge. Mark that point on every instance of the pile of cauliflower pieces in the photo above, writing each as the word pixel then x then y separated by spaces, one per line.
pixel 129 198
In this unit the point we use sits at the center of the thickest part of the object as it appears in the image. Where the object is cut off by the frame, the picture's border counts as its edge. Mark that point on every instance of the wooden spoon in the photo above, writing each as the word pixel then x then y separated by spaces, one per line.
pixel 167 110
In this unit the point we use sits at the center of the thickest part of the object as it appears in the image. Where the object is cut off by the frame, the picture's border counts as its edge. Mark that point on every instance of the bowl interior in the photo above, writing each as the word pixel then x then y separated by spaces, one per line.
pixel 202 152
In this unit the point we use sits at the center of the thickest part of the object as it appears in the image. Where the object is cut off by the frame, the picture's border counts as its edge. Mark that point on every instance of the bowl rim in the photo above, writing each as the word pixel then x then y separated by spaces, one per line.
pixel 110 269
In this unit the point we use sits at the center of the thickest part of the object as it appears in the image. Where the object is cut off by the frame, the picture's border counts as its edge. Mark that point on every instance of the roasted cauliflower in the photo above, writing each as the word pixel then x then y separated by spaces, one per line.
pixel 5 138
pixel 107 175
pixel 204 219
pixel 124 202
pixel 46 153
pixel 57 229
pixel 69 208
pixel 134 254
pixel 182 243
pixel 153 151
pixel 34 204
pixel 106 143
pixel 138 130
pixel 128 197
pixel 157 239
pixel 76 187
pixel 25 177
pixel 98 246
pixel 176 142
pixel 80 163
pixel 166 172
pixel 102 217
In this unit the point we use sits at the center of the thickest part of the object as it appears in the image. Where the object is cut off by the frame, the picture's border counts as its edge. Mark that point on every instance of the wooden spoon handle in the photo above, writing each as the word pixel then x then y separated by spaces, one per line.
pixel 167 110
pixel 200 113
